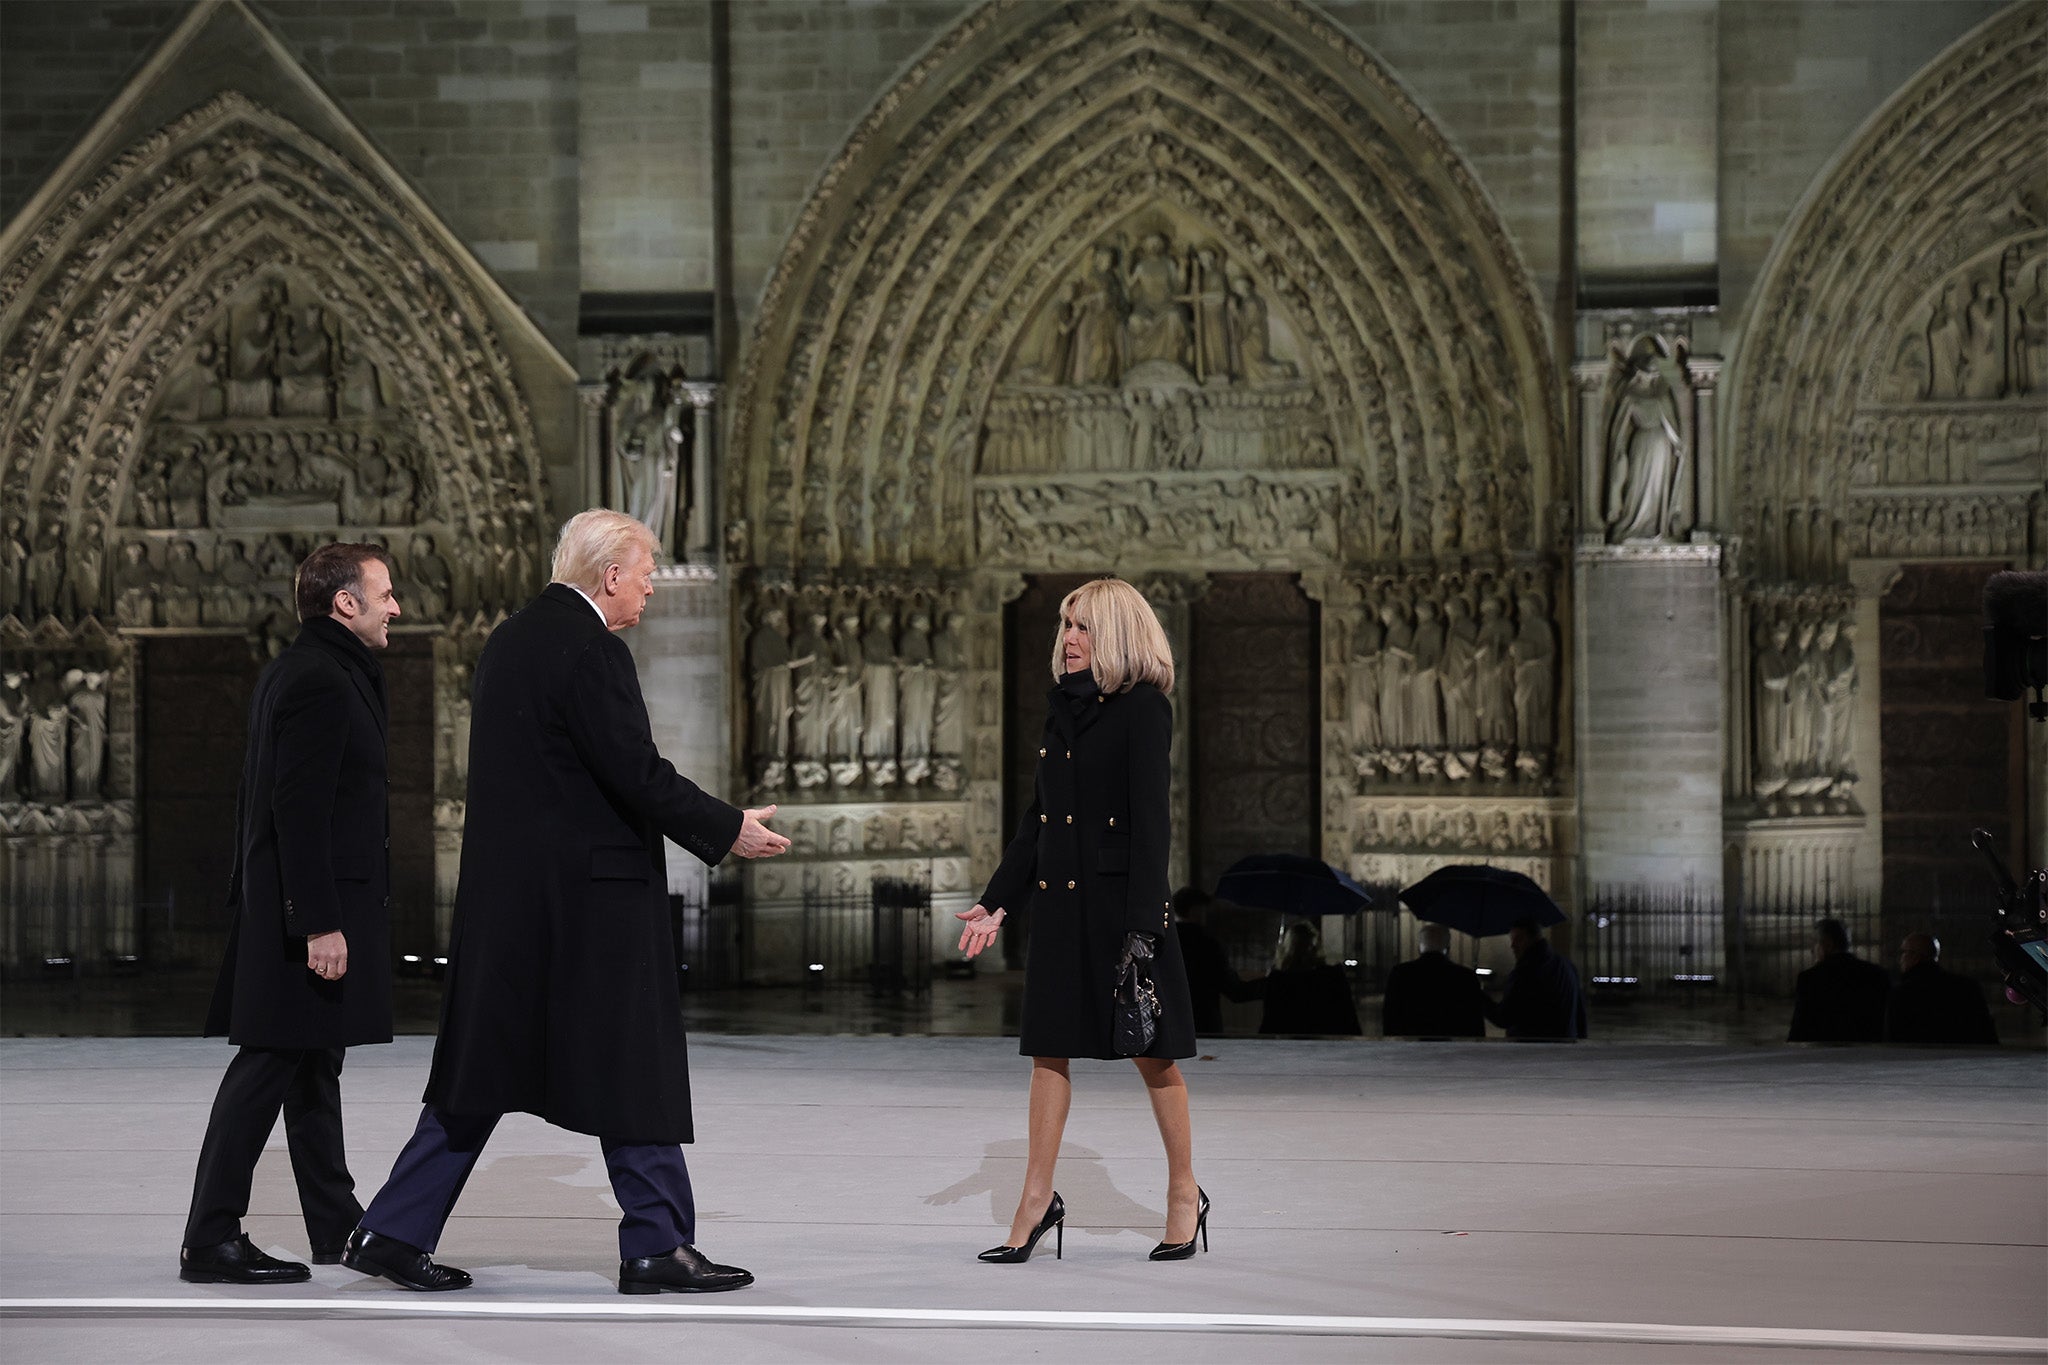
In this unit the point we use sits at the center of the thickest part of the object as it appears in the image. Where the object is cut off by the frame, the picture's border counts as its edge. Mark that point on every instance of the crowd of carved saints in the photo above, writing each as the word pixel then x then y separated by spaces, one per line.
pixel 1803 700
pixel 53 731
pixel 1452 681
pixel 856 688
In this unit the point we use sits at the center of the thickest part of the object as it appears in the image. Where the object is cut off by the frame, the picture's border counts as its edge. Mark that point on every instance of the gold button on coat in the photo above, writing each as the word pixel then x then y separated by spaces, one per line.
pixel 1070 886
pixel 1041 753
pixel 1112 822
pixel 1070 819
pixel 1041 819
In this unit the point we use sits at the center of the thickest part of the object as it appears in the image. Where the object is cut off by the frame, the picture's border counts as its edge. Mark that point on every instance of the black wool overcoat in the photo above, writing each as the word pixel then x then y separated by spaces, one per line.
pixel 312 853
pixel 1089 863
pixel 561 996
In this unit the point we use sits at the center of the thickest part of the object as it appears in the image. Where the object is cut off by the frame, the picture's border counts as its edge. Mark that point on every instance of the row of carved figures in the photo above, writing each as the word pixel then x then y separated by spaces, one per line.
pixel 1452 683
pixel 213 478
pixel 274 357
pixel 856 689
pixel 1983 339
pixel 224 580
pixel 53 731
pixel 1152 311
pixel 1804 693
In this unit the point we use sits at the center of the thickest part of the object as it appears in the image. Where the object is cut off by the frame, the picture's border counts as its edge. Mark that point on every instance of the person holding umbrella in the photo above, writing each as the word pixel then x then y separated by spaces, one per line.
pixel 1544 999
pixel 1090 860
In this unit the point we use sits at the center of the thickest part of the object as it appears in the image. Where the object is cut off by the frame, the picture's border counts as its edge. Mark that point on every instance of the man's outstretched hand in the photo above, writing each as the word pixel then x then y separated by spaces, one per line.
pixel 756 839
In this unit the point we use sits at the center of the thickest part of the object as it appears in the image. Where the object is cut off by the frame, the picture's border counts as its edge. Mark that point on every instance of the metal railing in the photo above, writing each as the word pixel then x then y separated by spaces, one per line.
pixel 879 938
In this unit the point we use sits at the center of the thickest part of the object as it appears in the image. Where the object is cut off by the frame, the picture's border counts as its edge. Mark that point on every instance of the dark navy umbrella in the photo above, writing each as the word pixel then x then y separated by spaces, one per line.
pixel 1292 884
pixel 1479 900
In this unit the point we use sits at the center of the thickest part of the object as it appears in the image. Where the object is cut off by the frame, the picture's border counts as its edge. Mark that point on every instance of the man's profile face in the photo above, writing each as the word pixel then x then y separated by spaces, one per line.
pixel 625 597
pixel 1519 940
pixel 374 603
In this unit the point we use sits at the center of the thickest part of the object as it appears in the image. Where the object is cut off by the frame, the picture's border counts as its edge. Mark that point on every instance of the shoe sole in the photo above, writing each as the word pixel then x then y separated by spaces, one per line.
pixel 682 1289
pixel 211 1277
pixel 376 1274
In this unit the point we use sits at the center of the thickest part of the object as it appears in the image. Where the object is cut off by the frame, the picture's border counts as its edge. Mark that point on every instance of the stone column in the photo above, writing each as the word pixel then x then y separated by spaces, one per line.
pixel 1650 714
pixel 700 535
pixel 592 399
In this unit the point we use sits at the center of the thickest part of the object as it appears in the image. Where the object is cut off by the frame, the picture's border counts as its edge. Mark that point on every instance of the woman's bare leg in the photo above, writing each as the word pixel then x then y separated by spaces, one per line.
pixel 1052 1093
pixel 1169 1092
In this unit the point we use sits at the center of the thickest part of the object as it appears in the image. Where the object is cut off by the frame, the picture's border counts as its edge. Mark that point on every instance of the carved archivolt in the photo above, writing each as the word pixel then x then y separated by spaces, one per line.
pixel 1202 237
pixel 231 330
pixel 1891 393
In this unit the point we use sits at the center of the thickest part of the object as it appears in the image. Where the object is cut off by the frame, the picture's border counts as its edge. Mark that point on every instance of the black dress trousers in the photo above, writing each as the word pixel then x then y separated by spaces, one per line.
pixel 306 1085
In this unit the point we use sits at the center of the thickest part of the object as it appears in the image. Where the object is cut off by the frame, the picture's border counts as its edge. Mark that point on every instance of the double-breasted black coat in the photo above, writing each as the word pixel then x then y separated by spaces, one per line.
pixel 561 993
pixel 1089 862
pixel 312 854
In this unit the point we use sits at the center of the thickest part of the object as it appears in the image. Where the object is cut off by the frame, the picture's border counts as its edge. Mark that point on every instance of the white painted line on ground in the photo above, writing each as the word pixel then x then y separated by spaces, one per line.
pixel 1493 1329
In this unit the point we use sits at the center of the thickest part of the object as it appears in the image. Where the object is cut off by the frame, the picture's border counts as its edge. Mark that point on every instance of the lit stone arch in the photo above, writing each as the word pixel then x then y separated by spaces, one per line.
pixel 1845 441
pixel 115 287
pixel 991 172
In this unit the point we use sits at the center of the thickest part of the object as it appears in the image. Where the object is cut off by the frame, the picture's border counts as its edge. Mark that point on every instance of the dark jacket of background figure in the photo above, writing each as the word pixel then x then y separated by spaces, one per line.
pixel 561 998
pixel 1433 997
pixel 1089 861
pixel 1839 999
pixel 312 852
pixel 1309 1000
pixel 1543 999
pixel 1211 978
pixel 1931 1004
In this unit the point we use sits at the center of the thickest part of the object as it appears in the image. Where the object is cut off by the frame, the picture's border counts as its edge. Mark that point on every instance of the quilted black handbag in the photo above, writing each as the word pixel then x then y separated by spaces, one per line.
pixel 1136 999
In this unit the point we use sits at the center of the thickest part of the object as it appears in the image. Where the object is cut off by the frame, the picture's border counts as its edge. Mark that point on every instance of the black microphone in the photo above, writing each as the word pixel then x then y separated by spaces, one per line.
pixel 1981 840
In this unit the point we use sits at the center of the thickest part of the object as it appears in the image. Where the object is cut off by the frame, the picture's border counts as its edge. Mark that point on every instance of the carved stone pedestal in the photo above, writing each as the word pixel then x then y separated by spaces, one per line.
pixel 1650 723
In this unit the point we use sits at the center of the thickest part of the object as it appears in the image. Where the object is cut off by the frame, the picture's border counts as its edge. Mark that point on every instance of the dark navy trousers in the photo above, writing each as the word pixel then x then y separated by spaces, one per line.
pixel 650 1182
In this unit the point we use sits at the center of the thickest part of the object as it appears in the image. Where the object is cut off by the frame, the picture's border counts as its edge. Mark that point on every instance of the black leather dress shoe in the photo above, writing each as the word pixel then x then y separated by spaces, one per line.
pixel 399 1262
pixel 325 1256
pixel 236 1261
pixel 685 1270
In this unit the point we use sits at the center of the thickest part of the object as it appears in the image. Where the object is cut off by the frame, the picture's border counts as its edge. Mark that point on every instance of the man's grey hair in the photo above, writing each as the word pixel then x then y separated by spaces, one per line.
pixel 592 542
pixel 1432 938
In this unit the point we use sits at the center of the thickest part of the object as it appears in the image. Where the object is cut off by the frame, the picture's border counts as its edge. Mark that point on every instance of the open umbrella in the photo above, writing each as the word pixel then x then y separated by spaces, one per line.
pixel 1479 900
pixel 1291 883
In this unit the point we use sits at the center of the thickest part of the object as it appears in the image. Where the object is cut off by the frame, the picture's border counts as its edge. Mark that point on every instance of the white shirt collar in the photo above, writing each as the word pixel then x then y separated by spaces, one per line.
pixel 593 603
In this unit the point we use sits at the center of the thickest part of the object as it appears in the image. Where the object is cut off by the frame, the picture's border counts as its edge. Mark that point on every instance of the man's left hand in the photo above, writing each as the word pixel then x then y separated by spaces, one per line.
pixel 756 839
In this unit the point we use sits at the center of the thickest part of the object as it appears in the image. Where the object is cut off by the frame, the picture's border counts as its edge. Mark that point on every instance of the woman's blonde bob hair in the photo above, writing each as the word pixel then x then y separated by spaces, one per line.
pixel 592 542
pixel 1128 642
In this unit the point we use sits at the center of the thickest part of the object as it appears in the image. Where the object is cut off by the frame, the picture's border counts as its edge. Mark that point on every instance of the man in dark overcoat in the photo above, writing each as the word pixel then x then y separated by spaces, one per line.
pixel 1431 996
pixel 308 966
pixel 1544 998
pixel 1841 997
pixel 562 998
pixel 1931 1004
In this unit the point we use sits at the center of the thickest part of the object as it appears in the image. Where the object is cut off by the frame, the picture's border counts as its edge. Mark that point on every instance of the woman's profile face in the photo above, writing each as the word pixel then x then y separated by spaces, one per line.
pixel 1074 643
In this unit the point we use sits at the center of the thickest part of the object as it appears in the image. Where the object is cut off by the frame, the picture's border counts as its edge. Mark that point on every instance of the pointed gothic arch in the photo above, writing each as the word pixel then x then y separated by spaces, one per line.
pixel 121 282
pixel 1856 427
pixel 990 173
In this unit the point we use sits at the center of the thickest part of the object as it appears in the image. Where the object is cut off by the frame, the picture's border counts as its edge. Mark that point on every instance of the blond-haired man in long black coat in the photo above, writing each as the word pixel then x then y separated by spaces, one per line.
pixel 561 997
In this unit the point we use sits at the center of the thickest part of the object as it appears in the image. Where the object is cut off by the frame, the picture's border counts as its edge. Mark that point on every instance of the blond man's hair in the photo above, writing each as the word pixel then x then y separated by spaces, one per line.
pixel 1129 645
pixel 592 542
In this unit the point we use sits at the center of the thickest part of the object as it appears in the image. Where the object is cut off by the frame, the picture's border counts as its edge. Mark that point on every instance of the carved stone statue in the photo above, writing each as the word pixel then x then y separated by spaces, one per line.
pixel 1425 705
pixel 1648 468
pixel 1097 356
pixel 1535 658
pixel 769 665
pixel 878 682
pixel 1492 671
pixel 917 697
pixel 1209 291
pixel 1836 650
pixel 647 446
pixel 1459 678
pixel 185 580
pixel 949 707
pixel 1945 348
pixel 1250 332
pixel 252 374
pixel 1984 356
pixel 14 705
pixel 430 578
pixel 305 364
pixel 809 669
pixel 1397 669
pixel 2030 346
pixel 1156 329
pixel 843 701
pixel 14 567
pixel 48 724
pixel 1771 703
pixel 88 707
pixel 1046 356
pixel 1367 738
pixel 1802 716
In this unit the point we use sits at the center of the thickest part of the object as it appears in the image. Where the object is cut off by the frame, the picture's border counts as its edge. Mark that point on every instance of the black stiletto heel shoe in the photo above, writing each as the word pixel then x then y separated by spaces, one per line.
pixel 1055 1219
pixel 1180 1251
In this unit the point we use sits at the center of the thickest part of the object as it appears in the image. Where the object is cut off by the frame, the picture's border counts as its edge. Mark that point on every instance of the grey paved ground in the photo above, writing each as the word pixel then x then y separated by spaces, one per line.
pixel 1734 1191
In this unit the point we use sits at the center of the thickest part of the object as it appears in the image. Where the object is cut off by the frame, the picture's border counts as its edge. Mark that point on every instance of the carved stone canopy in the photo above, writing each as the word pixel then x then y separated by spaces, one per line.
pixel 1077 158
pixel 1899 331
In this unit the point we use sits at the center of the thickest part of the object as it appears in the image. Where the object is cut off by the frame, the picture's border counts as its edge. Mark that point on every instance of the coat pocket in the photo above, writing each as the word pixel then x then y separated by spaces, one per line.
pixel 354 870
pixel 1114 862
pixel 619 865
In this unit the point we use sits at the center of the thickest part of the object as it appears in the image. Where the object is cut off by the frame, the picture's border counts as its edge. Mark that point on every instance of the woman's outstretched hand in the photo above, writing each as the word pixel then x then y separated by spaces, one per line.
pixel 980 931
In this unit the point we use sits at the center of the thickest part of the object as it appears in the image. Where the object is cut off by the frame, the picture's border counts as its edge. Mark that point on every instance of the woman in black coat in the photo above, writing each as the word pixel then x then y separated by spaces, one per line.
pixel 1090 861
